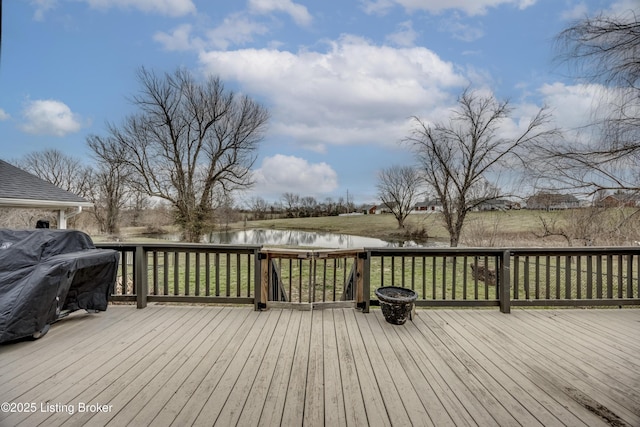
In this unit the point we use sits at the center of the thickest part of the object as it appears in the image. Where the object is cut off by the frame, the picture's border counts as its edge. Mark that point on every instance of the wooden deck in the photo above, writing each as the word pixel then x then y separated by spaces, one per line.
pixel 208 365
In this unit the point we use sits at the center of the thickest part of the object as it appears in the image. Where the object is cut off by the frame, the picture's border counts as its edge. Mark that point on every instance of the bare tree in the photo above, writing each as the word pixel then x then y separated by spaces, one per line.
pixel 108 186
pixel 291 204
pixel 224 210
pixel 259 207
pixel 604 50
pixel 457 156
pixel 399 189
pixel 308 206
pixel 62 170
pixel 189 142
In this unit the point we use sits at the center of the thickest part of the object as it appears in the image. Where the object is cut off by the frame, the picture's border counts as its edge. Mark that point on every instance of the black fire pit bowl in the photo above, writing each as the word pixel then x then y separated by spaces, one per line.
pixel 396 303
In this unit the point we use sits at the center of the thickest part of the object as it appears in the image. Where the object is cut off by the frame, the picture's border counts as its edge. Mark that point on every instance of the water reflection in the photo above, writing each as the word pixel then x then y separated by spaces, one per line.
pixel 268 237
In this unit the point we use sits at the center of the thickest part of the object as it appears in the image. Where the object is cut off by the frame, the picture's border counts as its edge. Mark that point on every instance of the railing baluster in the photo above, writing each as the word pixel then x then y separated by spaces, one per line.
pixel 393 271
pixel 324 280
pixel 207 274
pixel 238 287
pixel 476 292
pixel 176 273
pixel 558 275
pixel 228 277
pixel 526 277
pixel 433 278
pixel 589 277
pixel 187 273
pixel 413 273
pixel 620 274
pixel 217 278
pixel 464 277
pixel 454 264
pixel 609 276
pixel 629 293
pixel 599 277
pixel 444 278
pixel 197 272
pixel 537 286
pixel 567 277
pixel 165 275
pixel 155 272
pixel 424 277
pixel 547 284
pixel 579 277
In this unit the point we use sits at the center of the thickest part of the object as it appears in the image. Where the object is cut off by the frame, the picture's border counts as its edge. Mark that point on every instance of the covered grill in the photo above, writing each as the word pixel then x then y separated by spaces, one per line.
pixel 46 274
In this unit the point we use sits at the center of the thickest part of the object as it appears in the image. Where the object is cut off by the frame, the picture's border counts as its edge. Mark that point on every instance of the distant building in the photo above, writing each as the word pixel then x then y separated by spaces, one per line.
pixel 619 200
pixel 370 209
pixel 494 205
pixel 385 207
pixel 428 206
pixel 552 201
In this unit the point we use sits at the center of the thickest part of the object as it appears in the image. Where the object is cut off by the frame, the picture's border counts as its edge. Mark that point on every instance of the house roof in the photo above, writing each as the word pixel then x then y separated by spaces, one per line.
pixel 624 197
pixel 20 189
pixel 552 198
pixel 427 203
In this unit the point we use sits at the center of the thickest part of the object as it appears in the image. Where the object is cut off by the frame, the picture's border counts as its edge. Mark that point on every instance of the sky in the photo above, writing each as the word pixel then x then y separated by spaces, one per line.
pixel 342 79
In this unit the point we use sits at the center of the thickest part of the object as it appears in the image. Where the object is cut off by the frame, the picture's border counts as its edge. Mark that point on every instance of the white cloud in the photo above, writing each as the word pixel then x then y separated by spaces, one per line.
pixel 354 93
pixel 279 174
pixel 474 7
pixel 624 7
pixel 621 8
pixel 163 7
pixel 298 13
pixel 578 11
pixel 377 7
pixel 179 39
pixel 236 29
pixel 573 105
pixel 49 117
pixel 460 30
pixel 42 7
pixel 4 115
pixel 405 36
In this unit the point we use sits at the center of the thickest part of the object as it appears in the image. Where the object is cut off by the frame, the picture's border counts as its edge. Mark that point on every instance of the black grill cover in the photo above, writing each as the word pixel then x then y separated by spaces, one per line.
pixel 45 272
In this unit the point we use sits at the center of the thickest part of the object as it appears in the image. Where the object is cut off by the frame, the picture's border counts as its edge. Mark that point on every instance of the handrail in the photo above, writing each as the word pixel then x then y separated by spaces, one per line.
pixel 456 277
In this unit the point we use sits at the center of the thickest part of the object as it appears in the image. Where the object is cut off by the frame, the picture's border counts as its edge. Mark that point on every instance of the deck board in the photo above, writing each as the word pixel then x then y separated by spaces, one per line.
pixel 212 365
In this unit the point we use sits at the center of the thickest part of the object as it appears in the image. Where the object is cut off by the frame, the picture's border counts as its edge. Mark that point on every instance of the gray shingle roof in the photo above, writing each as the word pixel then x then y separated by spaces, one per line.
pixel 20 185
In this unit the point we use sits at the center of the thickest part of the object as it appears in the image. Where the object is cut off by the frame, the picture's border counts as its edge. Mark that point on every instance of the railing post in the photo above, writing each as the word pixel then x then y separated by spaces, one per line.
pixel 257 280
pixel 363 273
pixel 262 285
pixel 505 282
pixel 141 283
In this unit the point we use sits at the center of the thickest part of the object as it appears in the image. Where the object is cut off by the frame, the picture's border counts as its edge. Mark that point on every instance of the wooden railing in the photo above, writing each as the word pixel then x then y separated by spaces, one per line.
pixel 455 277
pixel 191 273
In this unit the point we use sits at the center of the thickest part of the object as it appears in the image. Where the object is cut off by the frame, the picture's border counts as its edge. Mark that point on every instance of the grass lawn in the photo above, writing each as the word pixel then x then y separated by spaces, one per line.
pixel 517 228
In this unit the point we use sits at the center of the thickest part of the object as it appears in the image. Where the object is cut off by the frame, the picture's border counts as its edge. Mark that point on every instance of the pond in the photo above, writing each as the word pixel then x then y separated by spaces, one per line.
pixel 269 237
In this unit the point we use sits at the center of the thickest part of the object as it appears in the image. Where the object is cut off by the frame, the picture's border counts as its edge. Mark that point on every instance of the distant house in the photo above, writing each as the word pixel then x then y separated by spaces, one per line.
pixel 498 205
pixel 619 200
pixel 370 209
pixel 552 201
pixel 493 205
pixel 428 206
pixel 20 189
pixel 385 207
